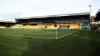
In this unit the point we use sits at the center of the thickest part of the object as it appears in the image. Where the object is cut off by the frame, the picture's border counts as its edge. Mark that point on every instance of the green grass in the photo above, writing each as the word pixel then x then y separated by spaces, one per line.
pixel 43 42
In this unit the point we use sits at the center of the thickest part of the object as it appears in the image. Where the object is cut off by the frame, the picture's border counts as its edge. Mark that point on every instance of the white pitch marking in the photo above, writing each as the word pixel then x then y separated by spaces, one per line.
pixel 42 37
pixel 67 34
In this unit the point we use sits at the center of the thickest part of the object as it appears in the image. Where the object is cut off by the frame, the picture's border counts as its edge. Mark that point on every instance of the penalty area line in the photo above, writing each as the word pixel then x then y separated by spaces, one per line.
pixel 67 34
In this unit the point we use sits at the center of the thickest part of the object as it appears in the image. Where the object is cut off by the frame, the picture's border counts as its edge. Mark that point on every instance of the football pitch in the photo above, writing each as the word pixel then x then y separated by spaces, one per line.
pixel 48 42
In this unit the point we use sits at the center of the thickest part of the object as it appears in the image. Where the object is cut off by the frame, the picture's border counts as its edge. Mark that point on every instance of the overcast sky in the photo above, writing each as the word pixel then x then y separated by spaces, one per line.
pixel 10 9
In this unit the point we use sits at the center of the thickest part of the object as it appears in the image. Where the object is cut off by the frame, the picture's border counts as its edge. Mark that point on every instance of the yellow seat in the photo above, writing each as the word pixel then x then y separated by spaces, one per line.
pixel 75 26
pixel 2 27
pixel 64 26
pixel 32 27
pixel 51 26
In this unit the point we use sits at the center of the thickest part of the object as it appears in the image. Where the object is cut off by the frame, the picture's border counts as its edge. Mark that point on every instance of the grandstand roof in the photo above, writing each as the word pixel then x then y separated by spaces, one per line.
pixel 59 15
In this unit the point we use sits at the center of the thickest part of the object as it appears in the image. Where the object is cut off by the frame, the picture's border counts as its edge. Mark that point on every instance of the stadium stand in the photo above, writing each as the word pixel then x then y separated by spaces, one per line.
pixel 62 21
pixel 2 27
pixel 32 27
pixel 26 27
pixel 51 26
pixel 70 26
pixel 64 26
pixel 74 26
pixel 5 24
pixel 42 26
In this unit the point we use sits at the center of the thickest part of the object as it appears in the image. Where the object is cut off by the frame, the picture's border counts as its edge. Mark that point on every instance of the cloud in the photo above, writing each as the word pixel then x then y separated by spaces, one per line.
pixel 1 18
pixel 10 9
